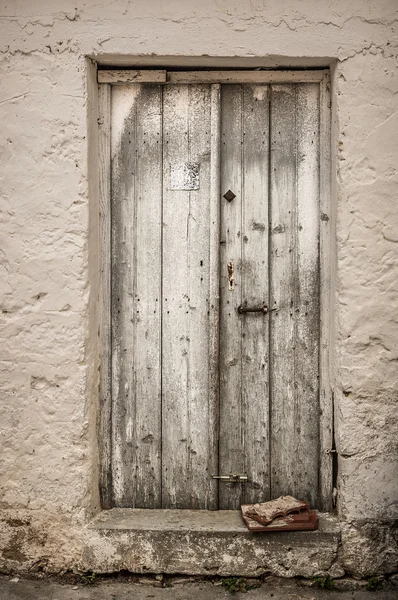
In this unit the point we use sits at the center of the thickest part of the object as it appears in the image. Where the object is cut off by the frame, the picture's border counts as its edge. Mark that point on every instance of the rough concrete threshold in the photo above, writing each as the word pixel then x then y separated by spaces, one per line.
pixel 205 543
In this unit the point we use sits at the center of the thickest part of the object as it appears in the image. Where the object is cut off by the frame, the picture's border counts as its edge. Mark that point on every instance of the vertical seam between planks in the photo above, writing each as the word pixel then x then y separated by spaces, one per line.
pixel 319 490
pixel 109 316
pixel 221 113
pixel 242 286
pixel 133 399
pixel 270 362
pixel 161 297
pixel 189 394
pixel 218 250
pixel 295 262
pixel 214 277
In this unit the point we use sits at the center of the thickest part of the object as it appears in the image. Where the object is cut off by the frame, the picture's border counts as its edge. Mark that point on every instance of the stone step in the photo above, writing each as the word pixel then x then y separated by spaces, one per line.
pixel 205 543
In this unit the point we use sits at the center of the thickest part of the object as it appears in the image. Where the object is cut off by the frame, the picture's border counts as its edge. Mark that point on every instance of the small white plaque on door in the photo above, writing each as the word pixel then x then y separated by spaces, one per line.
pixel 184 177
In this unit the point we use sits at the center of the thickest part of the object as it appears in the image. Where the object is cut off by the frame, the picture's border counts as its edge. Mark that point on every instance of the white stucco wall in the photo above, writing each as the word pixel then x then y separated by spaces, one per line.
pixel 47 359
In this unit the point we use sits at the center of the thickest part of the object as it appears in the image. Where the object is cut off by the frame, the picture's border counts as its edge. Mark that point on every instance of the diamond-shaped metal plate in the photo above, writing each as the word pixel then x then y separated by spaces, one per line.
pixel 229 196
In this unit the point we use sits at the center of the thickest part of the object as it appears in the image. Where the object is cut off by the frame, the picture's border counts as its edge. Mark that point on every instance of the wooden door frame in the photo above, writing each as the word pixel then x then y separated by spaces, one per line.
pixel 107 78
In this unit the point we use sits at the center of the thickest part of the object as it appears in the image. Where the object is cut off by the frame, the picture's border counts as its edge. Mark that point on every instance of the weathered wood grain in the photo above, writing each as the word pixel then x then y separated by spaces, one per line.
pixel 136 295
pixel 295 291
pixel 231 456
pixel 214 283
pixel 104 299
pixel 189 452
pixel 197 388
pixel 327 252
pixel 116 76
pixel 243 76
pixel 131 76
pixel 255 334
pixel 244 412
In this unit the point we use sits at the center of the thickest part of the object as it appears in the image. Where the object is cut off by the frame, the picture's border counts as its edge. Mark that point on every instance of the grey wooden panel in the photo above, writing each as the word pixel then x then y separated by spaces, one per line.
pixel 327 251
pixel 308 317
pixel 235 77
pixel 136 294
pixel 295 290
pixel 131 76
pixel 188 444
pixel 244 410
pixel 255 334
pixel 232 432
pixel 228 77
pixel 104 299
pixel 214 282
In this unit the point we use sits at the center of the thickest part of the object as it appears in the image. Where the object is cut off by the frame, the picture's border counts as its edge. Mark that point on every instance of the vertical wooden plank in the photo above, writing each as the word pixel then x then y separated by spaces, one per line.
pixel 295 290
pixel 282 284
pixel 188 445
pixel 136 315
pixel 231 457
pixel 255 334
pixel 308 315
pixel 104 433
pixel 146 427
pixel 214 284
pixel 124 117
pixel 244 418
pixel 326 224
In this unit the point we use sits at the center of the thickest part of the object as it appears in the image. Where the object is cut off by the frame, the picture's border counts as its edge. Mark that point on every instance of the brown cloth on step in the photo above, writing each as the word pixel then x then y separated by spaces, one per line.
pixel 283 514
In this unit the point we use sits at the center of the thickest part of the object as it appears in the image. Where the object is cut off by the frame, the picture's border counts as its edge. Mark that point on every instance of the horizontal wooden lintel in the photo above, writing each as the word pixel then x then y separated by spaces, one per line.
pixel 163 76
pixel 244 76
pixel 129 76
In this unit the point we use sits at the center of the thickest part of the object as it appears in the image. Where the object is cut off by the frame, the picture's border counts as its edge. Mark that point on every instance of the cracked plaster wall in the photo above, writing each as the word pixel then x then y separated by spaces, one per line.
pixel 47 416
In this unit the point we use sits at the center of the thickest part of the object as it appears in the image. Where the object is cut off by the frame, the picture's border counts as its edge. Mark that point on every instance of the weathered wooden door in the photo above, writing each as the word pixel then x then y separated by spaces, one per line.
pixel 215 293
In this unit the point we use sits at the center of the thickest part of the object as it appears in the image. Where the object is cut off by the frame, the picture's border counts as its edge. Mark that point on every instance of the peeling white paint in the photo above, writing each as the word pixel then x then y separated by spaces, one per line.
pixel 123 100
pixel 184 177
